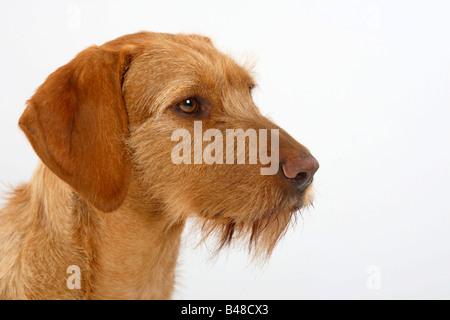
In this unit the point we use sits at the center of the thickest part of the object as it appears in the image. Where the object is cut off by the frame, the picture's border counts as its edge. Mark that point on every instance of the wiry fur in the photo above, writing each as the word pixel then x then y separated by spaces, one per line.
pixel 107 196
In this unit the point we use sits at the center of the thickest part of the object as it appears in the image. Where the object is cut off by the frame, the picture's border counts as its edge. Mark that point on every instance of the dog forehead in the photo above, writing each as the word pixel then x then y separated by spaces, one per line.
pixel 186 56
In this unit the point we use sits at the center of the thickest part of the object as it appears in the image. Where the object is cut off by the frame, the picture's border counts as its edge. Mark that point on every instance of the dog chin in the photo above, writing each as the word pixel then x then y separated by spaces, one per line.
pixel 260 232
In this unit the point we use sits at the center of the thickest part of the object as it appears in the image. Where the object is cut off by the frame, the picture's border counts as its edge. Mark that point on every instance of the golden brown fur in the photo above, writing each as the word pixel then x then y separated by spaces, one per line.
pixel 107 197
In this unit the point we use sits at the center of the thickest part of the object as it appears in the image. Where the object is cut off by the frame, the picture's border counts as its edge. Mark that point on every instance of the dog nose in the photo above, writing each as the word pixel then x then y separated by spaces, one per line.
pixel 300 169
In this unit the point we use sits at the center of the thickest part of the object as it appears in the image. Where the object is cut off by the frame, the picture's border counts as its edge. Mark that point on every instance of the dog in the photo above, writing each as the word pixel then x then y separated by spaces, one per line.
pixel 103 214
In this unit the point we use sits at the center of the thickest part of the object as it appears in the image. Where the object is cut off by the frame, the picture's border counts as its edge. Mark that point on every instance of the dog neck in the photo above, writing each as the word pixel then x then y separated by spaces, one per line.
pixel 130 253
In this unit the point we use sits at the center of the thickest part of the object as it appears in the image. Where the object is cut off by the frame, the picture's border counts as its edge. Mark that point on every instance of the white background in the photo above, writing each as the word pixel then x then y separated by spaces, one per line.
pixel 364 84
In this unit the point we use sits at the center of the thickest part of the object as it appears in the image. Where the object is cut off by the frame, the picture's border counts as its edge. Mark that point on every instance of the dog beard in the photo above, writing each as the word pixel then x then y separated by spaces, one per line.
pixel 260 231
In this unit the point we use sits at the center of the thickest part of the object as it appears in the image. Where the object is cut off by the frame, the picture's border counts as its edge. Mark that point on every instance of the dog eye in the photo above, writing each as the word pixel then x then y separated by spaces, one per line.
pixel 190 105
pixel 250 89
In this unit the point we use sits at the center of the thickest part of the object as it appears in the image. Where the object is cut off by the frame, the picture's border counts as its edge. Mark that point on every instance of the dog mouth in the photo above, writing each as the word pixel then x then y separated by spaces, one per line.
pixel 263 214
pixel 294 201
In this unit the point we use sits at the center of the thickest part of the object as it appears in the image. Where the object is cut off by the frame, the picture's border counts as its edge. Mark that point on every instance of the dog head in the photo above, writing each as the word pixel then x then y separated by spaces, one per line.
pixel 177 116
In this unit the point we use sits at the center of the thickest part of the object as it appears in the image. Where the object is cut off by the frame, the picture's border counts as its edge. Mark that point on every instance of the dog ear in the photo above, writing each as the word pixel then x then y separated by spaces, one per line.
pixel 77 124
